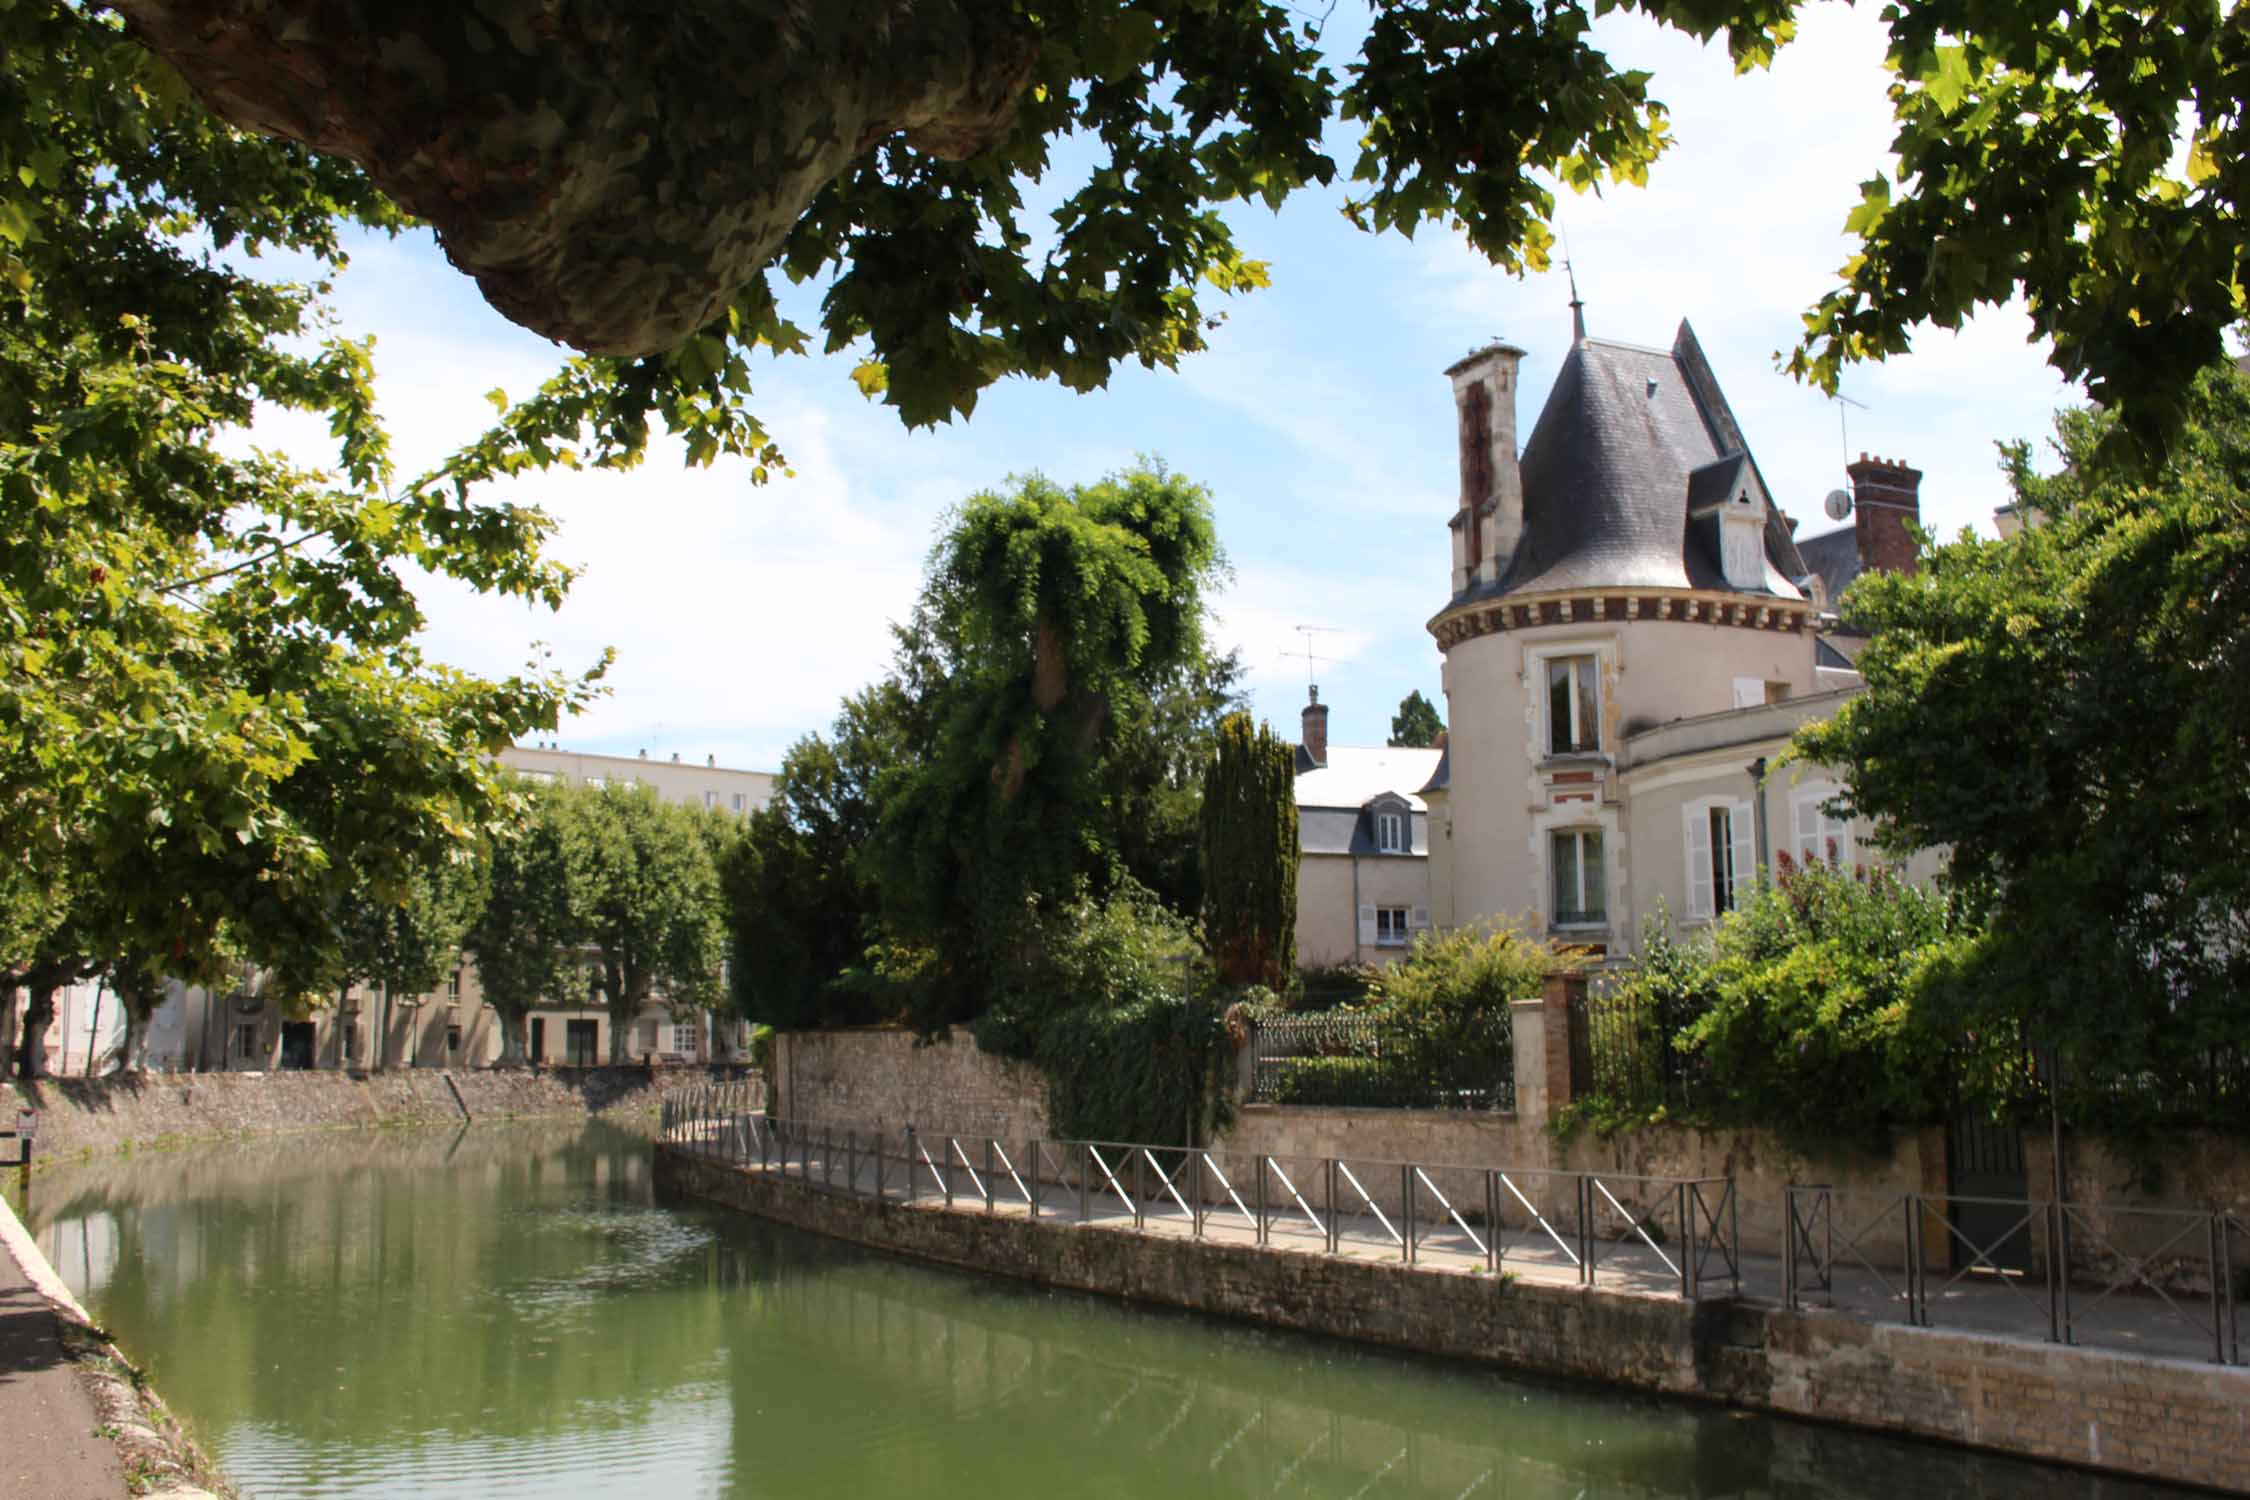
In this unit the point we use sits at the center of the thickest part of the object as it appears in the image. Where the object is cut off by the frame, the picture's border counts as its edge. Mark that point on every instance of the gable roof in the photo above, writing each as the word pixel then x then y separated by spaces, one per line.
pixel 1629 440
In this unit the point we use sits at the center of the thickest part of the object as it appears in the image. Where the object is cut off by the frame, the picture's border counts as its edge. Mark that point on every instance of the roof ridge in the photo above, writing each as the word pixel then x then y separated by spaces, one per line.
pixel 1630 345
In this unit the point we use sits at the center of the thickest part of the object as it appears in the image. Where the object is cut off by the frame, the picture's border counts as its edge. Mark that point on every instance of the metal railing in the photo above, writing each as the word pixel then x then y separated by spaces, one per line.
pixel 1654 1233
pixel 1625 1042
pixel 2105 1276
pixel 1349 1059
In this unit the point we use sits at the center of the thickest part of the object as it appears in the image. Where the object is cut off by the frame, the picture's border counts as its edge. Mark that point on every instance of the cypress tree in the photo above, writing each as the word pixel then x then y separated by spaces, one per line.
pixel 1250 854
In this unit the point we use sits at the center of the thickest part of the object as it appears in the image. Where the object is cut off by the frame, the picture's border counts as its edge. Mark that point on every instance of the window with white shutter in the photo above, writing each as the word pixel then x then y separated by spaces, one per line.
pixel 1367 926
pixel 1821 836
pixel 1721 863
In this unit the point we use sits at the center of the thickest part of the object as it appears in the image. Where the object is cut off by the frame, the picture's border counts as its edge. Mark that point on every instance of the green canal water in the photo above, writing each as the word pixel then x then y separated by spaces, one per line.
pixel 509 1312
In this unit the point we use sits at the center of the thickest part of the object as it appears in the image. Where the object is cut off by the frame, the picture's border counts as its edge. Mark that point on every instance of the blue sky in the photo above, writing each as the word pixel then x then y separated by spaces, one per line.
pixel 1320 419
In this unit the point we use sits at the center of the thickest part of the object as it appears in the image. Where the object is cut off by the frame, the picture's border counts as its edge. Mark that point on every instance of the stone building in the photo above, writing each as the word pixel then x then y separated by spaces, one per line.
pixel 1633 633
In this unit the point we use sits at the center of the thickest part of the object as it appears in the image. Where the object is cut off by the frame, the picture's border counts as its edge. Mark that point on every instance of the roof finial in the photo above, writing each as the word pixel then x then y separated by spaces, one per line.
pixel 1577 307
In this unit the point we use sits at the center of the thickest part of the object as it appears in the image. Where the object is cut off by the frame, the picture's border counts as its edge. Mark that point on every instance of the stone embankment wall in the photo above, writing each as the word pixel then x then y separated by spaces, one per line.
pixel 880 1078
pixel 2153 1418
pixel 872 1078
pixel 876 1078
pixel 84 1116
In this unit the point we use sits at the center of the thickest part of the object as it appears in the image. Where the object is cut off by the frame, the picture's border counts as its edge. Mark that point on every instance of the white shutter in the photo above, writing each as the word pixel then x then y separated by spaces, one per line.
pixel 1749 692
pixel 1808 828
pixel 1698 861
pixel 1367 926
pixel 1745 856
pixel 1421 916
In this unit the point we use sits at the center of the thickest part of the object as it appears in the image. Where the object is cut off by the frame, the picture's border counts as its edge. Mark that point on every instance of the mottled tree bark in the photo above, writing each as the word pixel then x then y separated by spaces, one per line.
pixel 610 171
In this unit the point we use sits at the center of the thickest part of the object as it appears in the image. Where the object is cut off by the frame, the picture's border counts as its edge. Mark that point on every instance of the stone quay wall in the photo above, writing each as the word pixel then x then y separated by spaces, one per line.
pixel 2152 1418
pixel 80 1117
pixel 882 1078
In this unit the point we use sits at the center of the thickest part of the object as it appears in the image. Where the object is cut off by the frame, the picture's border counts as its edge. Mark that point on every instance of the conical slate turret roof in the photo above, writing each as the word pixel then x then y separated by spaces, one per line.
pixel 1631 457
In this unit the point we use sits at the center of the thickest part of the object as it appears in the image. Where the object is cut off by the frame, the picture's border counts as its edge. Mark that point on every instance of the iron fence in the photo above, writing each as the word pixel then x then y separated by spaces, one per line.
pixel 1622 1043
pixel 2108 1276
pixel 1350 1059
pixel 1654 1233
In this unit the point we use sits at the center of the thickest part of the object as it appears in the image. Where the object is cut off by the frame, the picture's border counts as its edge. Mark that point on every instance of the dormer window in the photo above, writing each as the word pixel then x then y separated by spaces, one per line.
pixel 1390 832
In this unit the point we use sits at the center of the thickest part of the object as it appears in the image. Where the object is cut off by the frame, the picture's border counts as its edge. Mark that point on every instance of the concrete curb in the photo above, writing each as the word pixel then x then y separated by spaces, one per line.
pixel 160 1461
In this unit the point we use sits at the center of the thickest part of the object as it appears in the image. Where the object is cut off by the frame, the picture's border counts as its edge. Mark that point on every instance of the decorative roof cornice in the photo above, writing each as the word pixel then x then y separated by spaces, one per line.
pixel 1490 616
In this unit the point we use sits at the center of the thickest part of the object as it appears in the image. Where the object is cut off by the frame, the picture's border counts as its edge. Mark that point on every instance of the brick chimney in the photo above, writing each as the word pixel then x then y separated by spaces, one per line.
pixel 1489 523
pixel 1886 497
pixel 1315 739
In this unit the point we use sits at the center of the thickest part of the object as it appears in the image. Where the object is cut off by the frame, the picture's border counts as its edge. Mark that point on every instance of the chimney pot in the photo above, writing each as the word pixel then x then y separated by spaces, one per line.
pixel 1890 500
pixel 1315 737
pixel 1491 510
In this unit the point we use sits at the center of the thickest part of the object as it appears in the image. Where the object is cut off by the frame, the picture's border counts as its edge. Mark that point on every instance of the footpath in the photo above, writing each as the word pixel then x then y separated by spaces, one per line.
pixel 75 1423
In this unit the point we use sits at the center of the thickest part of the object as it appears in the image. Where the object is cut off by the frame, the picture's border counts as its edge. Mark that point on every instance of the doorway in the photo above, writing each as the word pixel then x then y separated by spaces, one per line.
pixel 538 1039
pixel 296 1044
pixel 1984 1159
pixel 578 1042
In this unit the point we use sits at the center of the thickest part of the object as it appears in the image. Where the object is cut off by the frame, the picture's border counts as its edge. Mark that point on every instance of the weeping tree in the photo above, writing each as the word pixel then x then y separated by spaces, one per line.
pixel 1050 621
pixel 1250 854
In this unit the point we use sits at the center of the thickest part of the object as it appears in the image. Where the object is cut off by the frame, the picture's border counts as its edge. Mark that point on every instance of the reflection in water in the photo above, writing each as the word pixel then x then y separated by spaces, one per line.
pixel 508 1313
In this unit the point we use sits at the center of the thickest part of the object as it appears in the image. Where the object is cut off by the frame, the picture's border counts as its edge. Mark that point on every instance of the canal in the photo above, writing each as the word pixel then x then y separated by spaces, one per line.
pixel 507 1312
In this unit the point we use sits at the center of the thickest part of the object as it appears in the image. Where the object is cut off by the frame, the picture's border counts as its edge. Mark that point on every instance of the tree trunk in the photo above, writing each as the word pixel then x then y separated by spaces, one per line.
pixel 133 1055
pixel 512 1023
pixel 94 1026
pixel 31 1053
pixel 621 1017
pixel 383 1037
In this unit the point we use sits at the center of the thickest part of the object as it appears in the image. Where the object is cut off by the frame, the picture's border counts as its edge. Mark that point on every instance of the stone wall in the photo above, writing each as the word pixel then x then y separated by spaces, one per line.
pixel 84 1116
pixel 2153 1418
pixel 879 1078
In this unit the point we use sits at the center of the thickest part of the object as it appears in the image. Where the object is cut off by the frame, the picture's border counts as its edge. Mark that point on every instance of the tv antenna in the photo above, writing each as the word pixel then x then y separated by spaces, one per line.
pixel 1308 632
pixel 1843 422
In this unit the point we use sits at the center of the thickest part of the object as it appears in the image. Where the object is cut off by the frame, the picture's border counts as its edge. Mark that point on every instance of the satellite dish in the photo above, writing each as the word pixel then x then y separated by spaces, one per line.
pixel 1838 504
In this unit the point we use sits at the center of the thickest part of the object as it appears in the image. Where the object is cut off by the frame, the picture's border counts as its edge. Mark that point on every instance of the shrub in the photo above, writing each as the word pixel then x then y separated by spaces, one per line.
pixel 1821 1009
pixel 1446 978
pixel 1109 998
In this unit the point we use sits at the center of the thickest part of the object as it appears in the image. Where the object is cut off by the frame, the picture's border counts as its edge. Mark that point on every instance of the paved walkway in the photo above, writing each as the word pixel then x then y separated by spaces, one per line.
pixel 48 1447
pixel 1536 1241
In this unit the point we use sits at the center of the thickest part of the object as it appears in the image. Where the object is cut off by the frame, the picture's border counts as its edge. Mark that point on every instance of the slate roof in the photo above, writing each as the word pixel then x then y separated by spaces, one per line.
pixel 1335 830
pixel 1834 555
pixel 1629 439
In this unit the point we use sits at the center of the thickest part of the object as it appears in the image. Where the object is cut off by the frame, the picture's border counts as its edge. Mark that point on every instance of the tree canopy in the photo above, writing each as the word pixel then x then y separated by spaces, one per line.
pixel 2064 710
pixel 896 151
pixel 1416 724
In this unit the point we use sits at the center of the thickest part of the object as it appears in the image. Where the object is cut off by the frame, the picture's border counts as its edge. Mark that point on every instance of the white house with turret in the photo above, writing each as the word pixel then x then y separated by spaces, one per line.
pixel 1632 634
